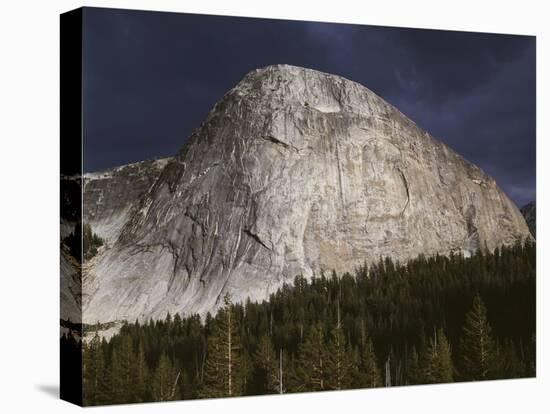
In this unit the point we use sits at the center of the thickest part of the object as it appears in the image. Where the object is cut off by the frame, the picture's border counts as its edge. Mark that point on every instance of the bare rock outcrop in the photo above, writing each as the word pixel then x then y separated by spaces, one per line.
pixel 109 195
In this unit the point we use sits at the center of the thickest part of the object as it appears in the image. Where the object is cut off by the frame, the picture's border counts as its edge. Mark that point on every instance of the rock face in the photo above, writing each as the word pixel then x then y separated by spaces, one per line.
pixel 109 195
pixel 107 202
pixel 529 211
pixel 292 171
pixel 70 269
pixel 70 287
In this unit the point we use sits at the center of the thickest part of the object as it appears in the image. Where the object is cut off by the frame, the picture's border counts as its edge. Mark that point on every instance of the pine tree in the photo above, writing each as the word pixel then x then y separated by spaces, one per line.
pixel 439 365
pixel 140 376
pixel 165 381
pixel 310 373
pixel 414 373
pixel 368 371
pixel 90 242
pixel 338 364
pixel 123 362
pixel 507 362
pixel 267 365
pixel 244 371
pixel 221 372
pixel 444 367
pixel 94 385
pixel 477 346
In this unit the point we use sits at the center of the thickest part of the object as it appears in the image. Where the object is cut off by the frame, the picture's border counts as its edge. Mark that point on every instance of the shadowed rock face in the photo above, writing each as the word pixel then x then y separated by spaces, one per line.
pixel 109 195
pixel 529 211
pixel 292 171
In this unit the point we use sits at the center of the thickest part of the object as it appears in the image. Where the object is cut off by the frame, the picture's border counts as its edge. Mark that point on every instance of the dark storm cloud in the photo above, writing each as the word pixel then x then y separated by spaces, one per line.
pixel 150 78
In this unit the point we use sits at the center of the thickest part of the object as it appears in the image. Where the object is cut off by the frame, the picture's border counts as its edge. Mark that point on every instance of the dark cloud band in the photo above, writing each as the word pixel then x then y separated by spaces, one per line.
pixel 150 78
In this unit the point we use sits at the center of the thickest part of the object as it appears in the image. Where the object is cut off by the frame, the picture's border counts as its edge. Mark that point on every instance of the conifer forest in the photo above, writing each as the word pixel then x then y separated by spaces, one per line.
pixel 432 320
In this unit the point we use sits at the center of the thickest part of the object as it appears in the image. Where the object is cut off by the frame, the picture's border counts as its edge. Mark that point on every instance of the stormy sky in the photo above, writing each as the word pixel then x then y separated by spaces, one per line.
pixel 151 78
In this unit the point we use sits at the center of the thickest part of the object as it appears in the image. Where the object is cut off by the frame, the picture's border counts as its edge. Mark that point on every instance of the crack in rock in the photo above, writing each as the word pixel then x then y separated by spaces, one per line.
pixel 406 189
pixel 257 239
pixel 142 248
pixel 276 141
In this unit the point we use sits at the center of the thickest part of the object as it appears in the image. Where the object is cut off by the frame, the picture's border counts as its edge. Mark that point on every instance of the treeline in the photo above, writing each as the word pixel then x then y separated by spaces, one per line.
pixel 438 319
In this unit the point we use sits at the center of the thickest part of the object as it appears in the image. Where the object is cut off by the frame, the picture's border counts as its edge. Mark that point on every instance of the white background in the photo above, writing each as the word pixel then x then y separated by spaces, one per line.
pixel 29 159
